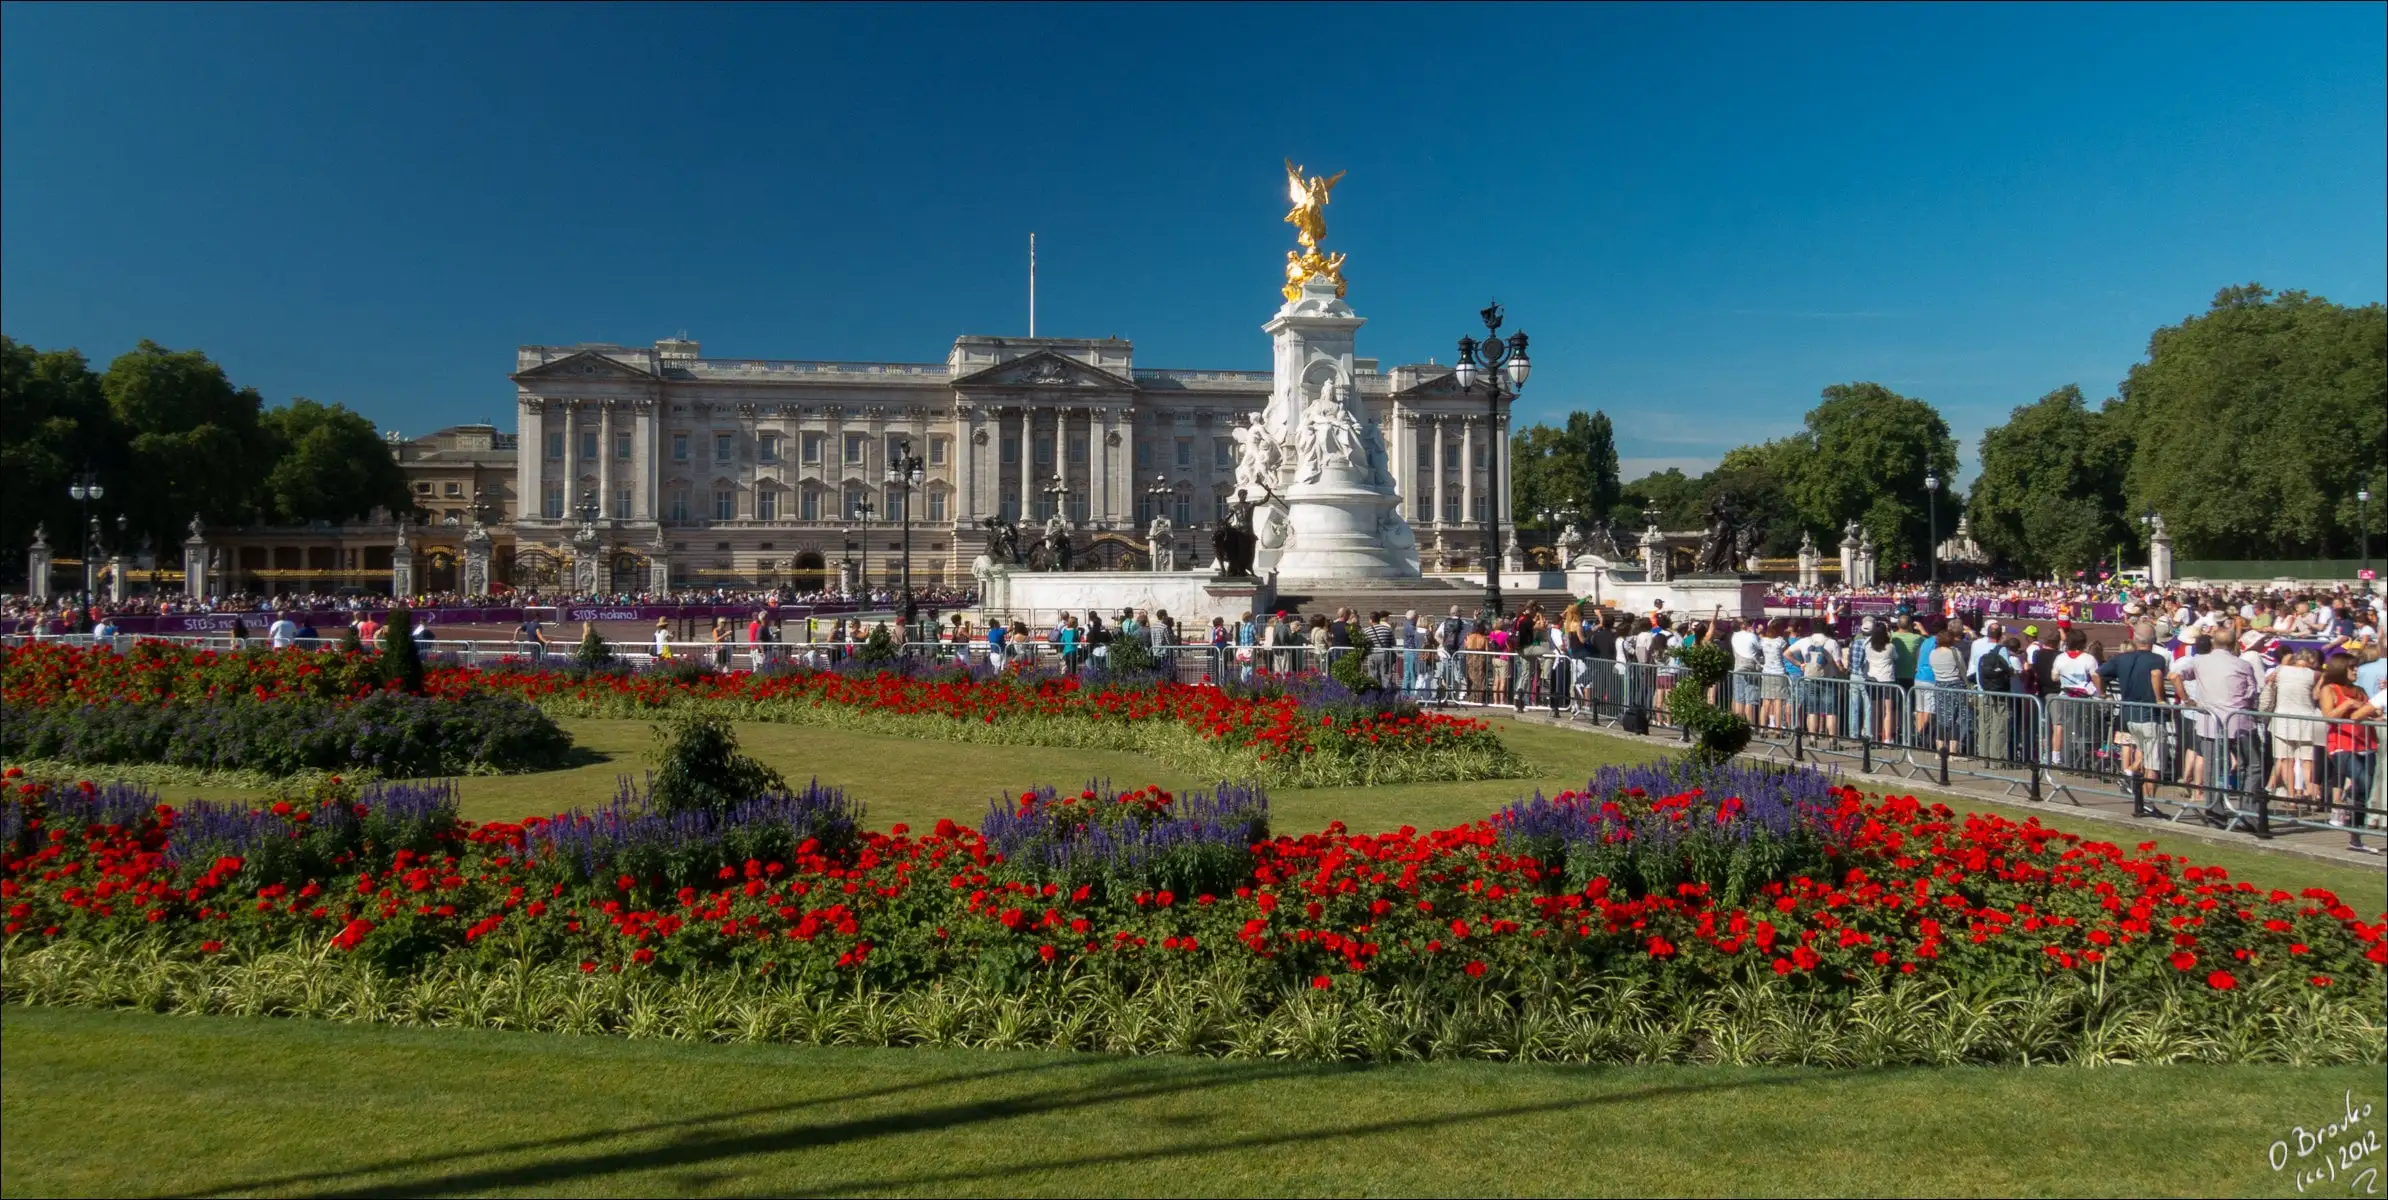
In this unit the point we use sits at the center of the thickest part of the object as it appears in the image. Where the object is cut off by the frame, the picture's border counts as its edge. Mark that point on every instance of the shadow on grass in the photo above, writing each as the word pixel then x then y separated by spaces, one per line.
pixel 693 1148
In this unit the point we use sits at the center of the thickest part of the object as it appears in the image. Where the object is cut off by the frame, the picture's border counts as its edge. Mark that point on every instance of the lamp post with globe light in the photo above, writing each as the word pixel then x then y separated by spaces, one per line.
pixel 1503 367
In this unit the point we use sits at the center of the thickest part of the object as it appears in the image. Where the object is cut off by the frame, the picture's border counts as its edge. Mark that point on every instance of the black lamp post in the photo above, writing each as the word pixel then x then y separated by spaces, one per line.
pixel 862 512
pixel 1159 494
pixel 86 488
pixel 905 472
pixel 2363 534
pixel 1932 527
pixel 1503 367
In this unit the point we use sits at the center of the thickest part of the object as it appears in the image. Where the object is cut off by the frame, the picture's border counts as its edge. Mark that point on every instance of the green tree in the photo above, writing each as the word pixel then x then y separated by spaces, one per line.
pixel 2254 423
pixel 195 446
pixel 53 420
pixel 1598 439
pixel 329 464
pixel 1678 497
pixel 1863 457
pixel 1542 474
pixel 1759 480
pixel 2050 494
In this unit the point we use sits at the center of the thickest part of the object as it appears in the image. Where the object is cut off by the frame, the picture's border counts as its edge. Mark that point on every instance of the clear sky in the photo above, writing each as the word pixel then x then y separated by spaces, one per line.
pixel 1702 215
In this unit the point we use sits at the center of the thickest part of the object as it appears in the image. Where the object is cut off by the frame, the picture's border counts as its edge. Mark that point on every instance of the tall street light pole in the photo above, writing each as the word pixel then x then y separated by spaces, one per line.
pixel 1932 527
pixel 85 489
pixel 863 509
pixel 905 472
pixel 1503 367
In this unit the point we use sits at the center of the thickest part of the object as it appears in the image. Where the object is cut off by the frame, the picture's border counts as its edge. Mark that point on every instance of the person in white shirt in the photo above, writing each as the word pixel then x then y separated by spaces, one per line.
pixel 1821 666
pixel 1983 644
pixel 1746 656
pixel 282 632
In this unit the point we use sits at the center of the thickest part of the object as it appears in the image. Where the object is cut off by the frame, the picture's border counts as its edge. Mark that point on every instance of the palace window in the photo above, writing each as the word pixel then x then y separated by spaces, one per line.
pixel 1476 506
pixel 453 489
pixel 725 504
pixel 1011 450
pixel 1223 453
pixel 1424 508
pixel 1077 447
pixel 1044 451
pixel 1078 503
pixel 856 445
pixel 621 504
pixel 725 447
pixel 810 505
pixel 1451 456
pixel 423 487
pixel 854 499
pixel 1219 508
pixel 588 444
pixel 767 504
pixel 1185 509
pixel 812 448
pixel 1144 455
pixel 1451 509
pixel 680 505
pixel 679 447
pixel 937 505
pixel 553 503
pixel 622 446
pixel 767 447
pixel 1185 453
pixel 555 445
pixel 939 447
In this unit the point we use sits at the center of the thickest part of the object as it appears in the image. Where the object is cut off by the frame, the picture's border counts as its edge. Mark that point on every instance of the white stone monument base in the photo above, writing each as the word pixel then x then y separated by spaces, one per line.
pixel 1686 597
pixel 1336 538
pixel 1037 597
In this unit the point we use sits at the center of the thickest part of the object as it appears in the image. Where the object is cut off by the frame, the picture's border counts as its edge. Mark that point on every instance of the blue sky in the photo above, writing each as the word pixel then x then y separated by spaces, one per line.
pixel 1702 215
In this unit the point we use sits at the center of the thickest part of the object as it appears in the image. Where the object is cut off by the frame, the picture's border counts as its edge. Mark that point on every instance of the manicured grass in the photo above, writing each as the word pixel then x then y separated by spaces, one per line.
pixel 916 782
pixel 106 1103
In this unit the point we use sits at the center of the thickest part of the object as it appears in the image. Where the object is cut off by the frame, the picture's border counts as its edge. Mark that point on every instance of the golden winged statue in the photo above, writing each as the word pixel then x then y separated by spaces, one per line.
pixel 1309 215
pixel 1309 219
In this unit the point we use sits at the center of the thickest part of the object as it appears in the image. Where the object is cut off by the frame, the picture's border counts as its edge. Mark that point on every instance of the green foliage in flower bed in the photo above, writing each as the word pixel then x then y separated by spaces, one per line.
pixel 388 733
pixel 1717 733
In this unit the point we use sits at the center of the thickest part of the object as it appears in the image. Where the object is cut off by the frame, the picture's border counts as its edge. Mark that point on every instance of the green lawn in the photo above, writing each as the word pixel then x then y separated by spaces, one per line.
pixel 108 1103
pixel 916 782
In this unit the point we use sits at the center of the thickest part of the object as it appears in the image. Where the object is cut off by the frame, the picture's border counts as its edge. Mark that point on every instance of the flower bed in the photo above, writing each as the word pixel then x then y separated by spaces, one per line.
pixel 1919 935
pixel 1304 731
pixel 386 733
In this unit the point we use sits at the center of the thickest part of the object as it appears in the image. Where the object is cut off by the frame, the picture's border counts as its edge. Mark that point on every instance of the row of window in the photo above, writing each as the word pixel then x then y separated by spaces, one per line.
pixel 770 447
pixel 1450 455
pixel 1422 510
pixel 450 489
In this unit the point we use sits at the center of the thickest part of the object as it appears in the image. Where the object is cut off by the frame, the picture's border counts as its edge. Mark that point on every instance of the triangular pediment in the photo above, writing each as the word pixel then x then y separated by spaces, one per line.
pixel 585 364
pixel 1045 369
pixel 1445 384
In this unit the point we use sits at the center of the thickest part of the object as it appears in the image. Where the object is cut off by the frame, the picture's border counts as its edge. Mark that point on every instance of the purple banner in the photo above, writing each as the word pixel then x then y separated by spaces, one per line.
pixel 328 620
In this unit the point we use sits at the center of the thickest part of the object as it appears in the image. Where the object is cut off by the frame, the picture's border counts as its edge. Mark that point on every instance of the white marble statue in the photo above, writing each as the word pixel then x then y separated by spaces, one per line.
pixel 1331 437
pixel 1160 542
pixel 1570 545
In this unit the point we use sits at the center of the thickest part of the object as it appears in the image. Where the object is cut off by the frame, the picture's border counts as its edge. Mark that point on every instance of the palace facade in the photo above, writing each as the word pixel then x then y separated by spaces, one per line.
pixel 739 472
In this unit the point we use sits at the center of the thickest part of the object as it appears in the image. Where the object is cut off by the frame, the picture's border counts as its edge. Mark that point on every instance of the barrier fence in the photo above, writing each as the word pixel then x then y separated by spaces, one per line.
pixel 2255 771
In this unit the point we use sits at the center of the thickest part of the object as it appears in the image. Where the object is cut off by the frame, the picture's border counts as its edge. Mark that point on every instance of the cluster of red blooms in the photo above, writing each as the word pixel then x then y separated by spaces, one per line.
pixel 156 672
pixel 1918 889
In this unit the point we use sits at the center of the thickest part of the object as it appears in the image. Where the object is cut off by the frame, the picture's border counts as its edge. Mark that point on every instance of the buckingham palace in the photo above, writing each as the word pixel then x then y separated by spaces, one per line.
pixel 741 472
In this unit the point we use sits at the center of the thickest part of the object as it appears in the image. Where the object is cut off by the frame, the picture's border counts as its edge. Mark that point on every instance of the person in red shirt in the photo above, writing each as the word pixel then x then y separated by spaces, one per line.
pixel 368 629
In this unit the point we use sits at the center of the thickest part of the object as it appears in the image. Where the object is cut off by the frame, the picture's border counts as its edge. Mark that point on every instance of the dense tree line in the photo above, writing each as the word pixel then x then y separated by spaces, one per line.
pixel 2250 428
pixel 169 436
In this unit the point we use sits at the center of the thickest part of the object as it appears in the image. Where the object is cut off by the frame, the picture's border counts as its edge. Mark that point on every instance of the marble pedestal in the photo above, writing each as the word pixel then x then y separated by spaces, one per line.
pixel 1038 597
pixel 1686 597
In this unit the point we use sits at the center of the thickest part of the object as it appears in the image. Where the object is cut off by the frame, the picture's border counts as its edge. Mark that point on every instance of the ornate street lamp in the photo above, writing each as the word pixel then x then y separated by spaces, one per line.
pixel 1159 493
pixel 1503 368
pixel 905 472
pixel 86 488
pixel 863 508
pixel 1932 525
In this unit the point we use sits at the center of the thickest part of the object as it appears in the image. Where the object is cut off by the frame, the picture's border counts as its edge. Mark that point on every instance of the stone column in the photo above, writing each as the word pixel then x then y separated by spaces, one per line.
pixel 116 578
pixel 530 463
pixel 37 566
pixel 2160 556
pixel 1467 469
pixel 1810 560
pixel 1654 555
pixel 194 561
pixel 571 455
pixel 605 461
pixel 585 562
pixel 1437 515
pixel 402 566
pixel 659 567
pixel 1027 464
pixel 476 562
pixel 1504 482
pixel 1849 556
